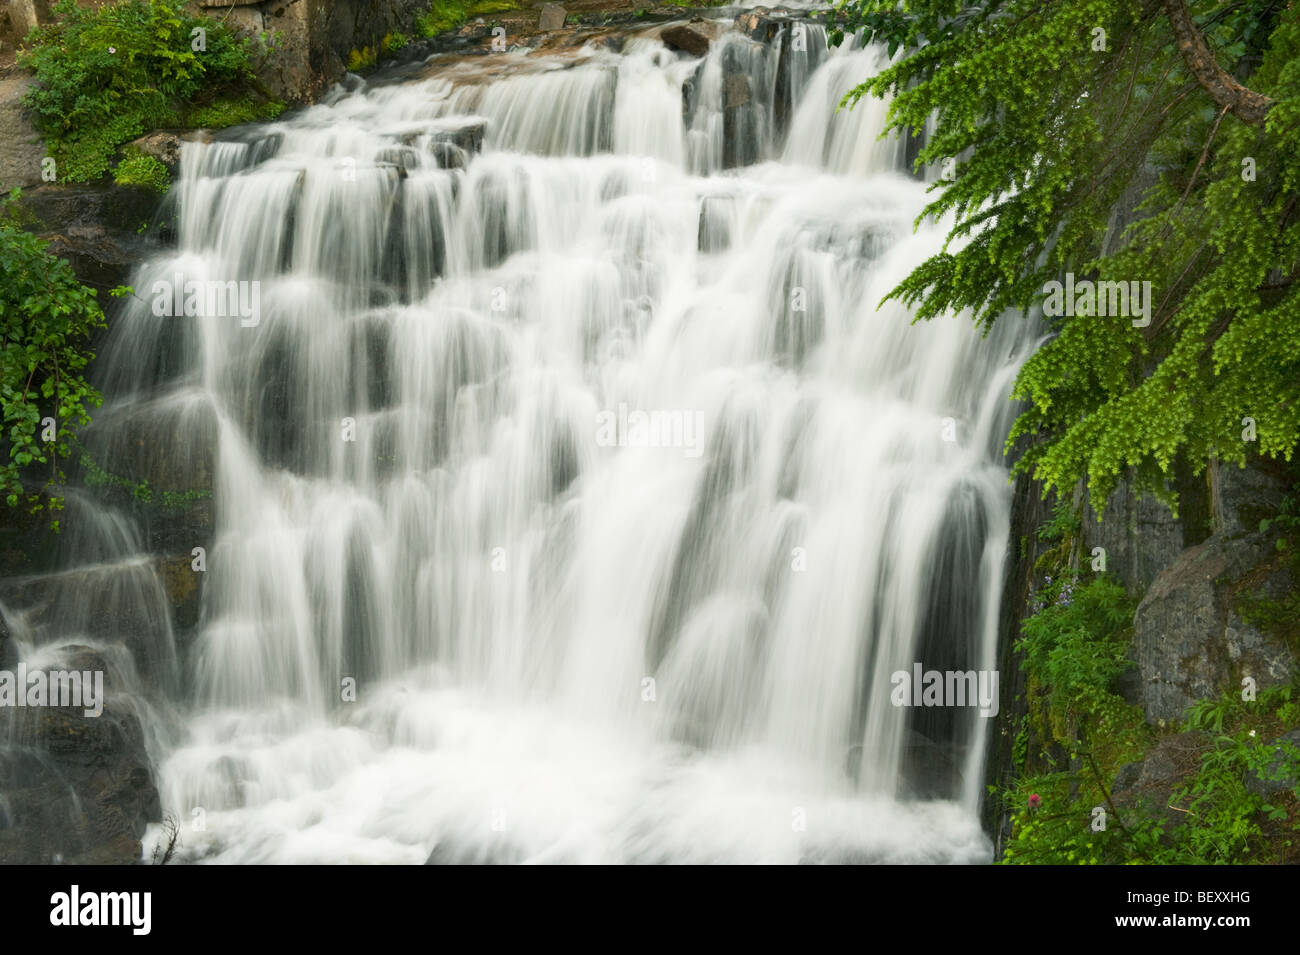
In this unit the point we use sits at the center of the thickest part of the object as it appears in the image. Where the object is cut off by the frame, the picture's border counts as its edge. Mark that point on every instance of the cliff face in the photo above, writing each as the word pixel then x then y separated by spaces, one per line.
pixel 313 37
pixel 1197 575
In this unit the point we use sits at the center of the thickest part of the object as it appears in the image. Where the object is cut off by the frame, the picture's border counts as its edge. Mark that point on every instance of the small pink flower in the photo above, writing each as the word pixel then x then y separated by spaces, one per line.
pixel 112 49
pixel 1035 801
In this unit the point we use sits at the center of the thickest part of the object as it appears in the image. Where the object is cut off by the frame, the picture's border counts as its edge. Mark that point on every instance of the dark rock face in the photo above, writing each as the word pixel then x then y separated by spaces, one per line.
pixel 685 38
pixel 1190 637
pixel 316 37
pixel 761 23
pixel 1138 533
pixel 75 789
pixel 1240 497
pixel 121 602
pixel 100 230
pixel 8 649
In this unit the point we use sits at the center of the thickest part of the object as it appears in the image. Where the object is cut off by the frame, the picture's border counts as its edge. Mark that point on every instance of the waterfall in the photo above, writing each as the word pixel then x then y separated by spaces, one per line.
pixel 575 498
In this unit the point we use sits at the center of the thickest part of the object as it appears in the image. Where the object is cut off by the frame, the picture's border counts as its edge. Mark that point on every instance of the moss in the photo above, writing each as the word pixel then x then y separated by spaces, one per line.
pixel 232 112
pixel 139 169
pixel 447 15
pixel 362 59
pixel 395 42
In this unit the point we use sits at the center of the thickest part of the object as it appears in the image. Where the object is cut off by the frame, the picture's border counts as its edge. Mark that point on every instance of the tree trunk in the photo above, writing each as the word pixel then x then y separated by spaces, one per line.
pixel 1245 104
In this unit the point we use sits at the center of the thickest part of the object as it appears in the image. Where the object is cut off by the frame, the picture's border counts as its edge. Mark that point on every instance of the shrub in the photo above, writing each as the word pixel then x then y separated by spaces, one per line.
pixel 46 319
pixel 109 75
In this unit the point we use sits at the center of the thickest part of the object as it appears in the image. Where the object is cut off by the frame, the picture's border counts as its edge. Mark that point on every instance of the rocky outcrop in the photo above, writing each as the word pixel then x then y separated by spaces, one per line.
pixel 313 38
pixel 1190 636
pixel 102 230
pixel 21 149
pixel 162 145
pixel 8 648
pixel 1139 534
pixel 75 788
pixel 551 17
pixel 688 39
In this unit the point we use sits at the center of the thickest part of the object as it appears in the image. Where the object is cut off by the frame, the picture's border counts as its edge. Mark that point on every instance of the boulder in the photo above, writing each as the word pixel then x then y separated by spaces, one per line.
pixel 760 24
pixel 21 149
pixel 551 18
pixel 1191 640
pixel 685 38
pixel 162 146
pixel 73 788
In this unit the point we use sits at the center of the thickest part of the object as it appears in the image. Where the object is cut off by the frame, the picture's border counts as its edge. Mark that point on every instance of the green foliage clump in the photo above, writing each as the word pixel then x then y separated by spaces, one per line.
pixel 139 492
pixel 1279 616
pixel 46 320
pixel 1050 114
pixel 138 169
pixel 232 112
pixel 446 15
pixel 362 59
pixel 108 75
pixel 1228 822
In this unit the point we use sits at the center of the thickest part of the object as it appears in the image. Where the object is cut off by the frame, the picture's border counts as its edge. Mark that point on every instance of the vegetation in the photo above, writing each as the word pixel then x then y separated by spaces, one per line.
pixel 138 169
pixel 1049 114
pixel 46 320
pixel 106 76
pixel 447 15
pixel 1078 733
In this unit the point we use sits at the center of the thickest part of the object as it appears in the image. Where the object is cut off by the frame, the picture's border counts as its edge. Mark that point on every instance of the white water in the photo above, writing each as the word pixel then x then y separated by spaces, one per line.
pixel 498 583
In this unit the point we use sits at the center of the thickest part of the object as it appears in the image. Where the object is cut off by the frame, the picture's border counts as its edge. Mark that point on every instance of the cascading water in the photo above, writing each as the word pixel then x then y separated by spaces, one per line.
pixel 568 438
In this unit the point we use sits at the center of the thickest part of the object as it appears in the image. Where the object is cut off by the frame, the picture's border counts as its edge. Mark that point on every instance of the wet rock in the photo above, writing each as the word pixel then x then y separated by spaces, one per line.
pixel 184 588
pixel 685 38
pixel 98 229
pixel 736 91
pixel 120 603
pixel 495 852
pixel 716 214
pixel 1190 638
pixel 73 788
pixel 760 24
pixel 929 770
pixel 8 649
pixel 552 17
